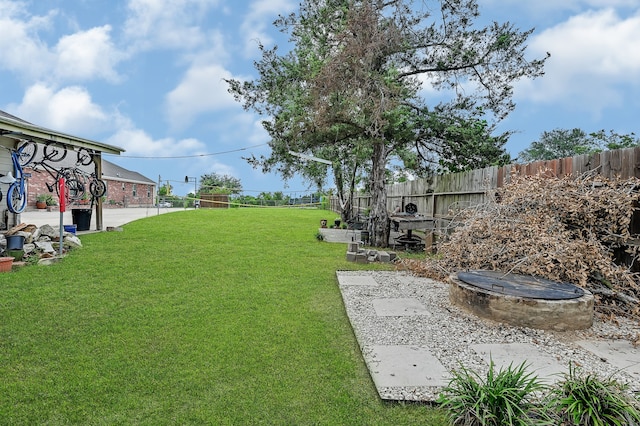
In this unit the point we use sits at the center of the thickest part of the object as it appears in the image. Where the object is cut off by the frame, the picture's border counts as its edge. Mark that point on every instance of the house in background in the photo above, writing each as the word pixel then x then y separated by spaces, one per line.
pixel 14 131
pixel 126 188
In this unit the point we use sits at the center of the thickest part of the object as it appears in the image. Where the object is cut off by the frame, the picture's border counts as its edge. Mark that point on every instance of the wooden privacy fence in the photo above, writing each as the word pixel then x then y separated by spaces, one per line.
pixel 214 201
pixel 437 196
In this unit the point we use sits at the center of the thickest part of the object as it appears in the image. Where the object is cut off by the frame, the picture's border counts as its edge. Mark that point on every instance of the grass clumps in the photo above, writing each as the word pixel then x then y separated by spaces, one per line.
pixel 586 400
pixel 504 397
pixel 513 396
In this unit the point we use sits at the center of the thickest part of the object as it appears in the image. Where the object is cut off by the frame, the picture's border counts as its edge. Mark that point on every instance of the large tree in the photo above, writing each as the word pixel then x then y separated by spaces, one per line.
pixel 453 141
pixel 351 85
pixel 557 143
pixel 215 183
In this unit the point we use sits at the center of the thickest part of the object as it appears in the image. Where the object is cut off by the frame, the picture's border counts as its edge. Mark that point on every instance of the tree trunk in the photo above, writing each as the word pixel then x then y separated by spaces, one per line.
pixel 346 187
pixel 345 203
pixel 379 217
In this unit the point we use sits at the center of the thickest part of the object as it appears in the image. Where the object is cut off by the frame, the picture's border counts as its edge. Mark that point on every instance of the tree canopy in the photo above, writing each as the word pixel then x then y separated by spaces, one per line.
pixel 351 91
pixel 561 143
pixel 214 183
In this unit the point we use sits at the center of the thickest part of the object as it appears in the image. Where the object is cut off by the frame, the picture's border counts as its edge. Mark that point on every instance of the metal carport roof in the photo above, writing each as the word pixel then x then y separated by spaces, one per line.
pixel 16 128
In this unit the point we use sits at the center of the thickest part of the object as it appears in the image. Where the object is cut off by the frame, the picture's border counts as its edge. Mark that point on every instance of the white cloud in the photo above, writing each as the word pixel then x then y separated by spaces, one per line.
pixel 201 90
pixel 19 42
pixel 591 61
pixel 261 15
pixel 68 110
pixel 87 55
pixel 10 8
pixel 215 166
pixel 138 142
pixel 83 55
pixel 166 24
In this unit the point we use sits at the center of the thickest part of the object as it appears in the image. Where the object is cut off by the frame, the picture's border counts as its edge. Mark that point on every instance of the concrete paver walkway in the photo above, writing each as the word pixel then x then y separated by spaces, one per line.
pixel 111 217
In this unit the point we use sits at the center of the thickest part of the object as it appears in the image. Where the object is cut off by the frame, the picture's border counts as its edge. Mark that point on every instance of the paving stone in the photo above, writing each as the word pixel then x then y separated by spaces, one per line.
pixel 544 365
pixel 399 365
pixel 399 307
pixel 356 280
pixel 620 353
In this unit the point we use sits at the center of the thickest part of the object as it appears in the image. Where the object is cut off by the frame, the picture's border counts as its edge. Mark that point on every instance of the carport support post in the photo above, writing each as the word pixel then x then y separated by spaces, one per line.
pixel 97 160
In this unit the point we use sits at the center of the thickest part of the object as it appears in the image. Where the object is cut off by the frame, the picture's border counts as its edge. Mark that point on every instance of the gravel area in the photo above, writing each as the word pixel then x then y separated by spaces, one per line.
pixel 449 331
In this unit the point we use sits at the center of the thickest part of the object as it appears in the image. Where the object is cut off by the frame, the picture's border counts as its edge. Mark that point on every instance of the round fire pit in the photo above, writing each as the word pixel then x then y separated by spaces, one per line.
pixel 522 300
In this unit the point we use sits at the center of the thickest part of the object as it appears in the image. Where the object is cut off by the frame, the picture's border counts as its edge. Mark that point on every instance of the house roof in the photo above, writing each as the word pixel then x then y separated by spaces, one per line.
pixel 17 128
pixel 112 171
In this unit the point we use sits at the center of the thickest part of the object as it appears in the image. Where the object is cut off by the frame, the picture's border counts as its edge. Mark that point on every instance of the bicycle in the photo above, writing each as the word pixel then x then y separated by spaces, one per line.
pixel 54 152
pixel 84 157
pixel 97 187
pixel 75 190
pixel 76 180
pixel 17 194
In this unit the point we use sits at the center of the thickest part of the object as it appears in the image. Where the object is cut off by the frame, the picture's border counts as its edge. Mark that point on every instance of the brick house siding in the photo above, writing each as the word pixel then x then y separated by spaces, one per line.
pixel 128 194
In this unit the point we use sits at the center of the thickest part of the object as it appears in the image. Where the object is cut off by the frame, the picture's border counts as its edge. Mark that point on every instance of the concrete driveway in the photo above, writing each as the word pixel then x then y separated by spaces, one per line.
pixel 111 217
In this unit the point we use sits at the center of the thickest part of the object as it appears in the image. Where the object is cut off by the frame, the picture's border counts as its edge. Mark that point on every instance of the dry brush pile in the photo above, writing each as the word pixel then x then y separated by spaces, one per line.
pixel 563 229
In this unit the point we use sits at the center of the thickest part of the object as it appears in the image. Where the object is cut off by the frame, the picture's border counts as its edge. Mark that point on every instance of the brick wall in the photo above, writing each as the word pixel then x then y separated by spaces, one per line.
pixel 119 193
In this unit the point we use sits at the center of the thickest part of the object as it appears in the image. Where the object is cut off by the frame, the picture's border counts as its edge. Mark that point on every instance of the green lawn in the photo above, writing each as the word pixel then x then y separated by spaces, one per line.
pixel 228 317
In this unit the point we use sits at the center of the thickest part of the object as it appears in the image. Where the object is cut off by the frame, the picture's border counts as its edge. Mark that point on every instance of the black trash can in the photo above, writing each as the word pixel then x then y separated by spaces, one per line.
pixel 81 218
pixel 364 237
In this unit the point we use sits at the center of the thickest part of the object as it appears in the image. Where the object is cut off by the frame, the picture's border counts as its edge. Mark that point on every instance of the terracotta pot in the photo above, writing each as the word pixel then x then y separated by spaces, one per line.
pixel 6 263
pixel 41 204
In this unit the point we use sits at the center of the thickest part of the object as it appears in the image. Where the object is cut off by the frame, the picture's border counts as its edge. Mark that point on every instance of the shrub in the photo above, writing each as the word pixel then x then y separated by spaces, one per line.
pixel 502 398
pixel 587 400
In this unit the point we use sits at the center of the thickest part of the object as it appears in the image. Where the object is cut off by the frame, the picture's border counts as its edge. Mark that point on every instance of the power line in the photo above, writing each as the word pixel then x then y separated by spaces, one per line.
pixel 188 156
pixel 240 190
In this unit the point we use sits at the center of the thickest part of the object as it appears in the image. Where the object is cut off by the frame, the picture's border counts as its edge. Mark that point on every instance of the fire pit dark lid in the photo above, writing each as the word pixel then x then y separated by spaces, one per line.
pixel 527 286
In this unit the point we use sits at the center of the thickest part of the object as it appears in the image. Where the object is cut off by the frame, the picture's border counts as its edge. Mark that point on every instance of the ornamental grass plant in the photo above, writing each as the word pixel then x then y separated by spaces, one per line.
pixel 513 396
pixel 503 397
pixel 587 400
pixel 221 317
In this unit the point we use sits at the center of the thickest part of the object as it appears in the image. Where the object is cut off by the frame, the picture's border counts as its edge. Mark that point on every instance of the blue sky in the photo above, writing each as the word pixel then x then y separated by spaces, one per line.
pixel 146 75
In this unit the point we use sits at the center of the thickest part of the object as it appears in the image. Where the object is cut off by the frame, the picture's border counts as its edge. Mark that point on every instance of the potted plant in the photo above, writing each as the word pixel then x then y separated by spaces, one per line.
pixel 84 200
pixel 41 200
pixel 51 202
